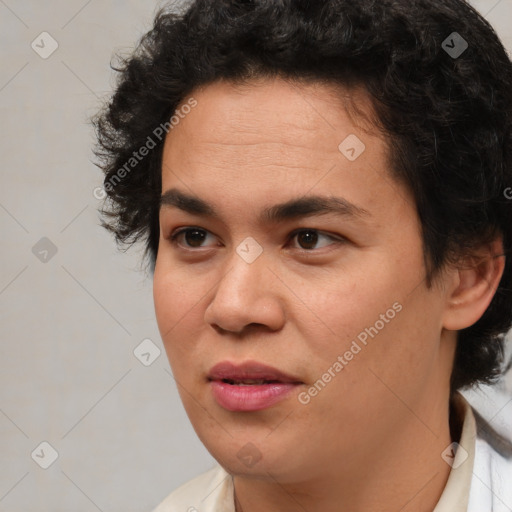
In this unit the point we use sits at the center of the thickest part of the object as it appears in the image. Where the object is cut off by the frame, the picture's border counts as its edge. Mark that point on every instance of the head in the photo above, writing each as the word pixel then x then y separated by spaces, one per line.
pixel 252 115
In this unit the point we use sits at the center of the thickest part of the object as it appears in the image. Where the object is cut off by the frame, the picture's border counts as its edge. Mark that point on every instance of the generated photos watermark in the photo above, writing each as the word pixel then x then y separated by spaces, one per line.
pixel 159 134
pixel 355 348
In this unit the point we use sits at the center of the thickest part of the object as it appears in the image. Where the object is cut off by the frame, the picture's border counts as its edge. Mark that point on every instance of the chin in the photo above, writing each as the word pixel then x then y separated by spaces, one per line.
pixel 251 453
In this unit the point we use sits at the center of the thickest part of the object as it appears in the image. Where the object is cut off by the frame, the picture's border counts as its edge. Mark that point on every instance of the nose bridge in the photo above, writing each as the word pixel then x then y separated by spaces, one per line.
pixel 244 282
pixel 245 295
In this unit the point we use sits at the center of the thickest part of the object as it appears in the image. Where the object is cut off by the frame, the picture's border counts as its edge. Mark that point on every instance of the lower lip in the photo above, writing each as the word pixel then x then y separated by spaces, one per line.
pixel 249 398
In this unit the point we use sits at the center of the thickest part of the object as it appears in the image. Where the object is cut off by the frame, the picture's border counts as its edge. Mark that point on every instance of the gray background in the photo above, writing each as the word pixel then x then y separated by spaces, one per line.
pixel 70 321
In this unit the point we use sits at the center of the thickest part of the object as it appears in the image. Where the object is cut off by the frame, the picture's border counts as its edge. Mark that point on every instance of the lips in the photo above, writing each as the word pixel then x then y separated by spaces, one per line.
pixel 249 386
pixel 248 371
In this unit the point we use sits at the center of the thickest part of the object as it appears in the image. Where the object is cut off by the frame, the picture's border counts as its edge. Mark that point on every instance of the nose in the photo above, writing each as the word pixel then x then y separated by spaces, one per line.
pixel 246 296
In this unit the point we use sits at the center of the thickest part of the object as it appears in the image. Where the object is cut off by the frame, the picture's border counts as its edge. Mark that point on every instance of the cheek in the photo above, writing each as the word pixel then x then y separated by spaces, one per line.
pixel 371 314
pixel 164 298
pixel 177 303
pixel 175 291
pixel 347 302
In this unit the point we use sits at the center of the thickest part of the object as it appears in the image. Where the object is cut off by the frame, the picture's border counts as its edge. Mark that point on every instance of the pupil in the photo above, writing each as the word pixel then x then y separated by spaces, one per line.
pixel 189 235
pixel 308 237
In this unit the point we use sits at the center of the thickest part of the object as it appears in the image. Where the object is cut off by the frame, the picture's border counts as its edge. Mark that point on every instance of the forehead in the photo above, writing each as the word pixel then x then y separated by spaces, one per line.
pixel 246 154
pixel 268 142
pixel 305 117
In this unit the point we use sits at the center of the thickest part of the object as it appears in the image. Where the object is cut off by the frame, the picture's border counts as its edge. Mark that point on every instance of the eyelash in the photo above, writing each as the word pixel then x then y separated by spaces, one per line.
pixel 293 234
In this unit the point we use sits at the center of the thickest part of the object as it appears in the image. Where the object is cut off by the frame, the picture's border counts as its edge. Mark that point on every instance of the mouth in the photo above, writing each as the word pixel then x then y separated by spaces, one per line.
pixel 249 382
pixel 250 386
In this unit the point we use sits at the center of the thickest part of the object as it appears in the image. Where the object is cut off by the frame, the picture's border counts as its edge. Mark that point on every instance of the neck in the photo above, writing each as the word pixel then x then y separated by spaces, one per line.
pixel 406 473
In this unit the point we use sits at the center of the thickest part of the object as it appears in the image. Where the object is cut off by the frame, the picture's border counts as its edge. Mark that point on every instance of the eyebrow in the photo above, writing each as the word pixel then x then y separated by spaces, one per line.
pixel 292 209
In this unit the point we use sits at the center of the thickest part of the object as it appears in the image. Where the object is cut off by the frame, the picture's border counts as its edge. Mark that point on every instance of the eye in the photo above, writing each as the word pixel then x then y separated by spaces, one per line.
pixel 309 237
pixel 306 238
pixel 193 236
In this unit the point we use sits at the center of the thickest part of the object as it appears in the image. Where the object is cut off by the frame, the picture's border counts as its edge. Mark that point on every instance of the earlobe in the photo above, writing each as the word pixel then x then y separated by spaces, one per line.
pixel 476 281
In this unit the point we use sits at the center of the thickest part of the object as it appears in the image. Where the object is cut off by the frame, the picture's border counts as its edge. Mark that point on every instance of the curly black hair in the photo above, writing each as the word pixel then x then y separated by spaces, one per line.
pixel 446 110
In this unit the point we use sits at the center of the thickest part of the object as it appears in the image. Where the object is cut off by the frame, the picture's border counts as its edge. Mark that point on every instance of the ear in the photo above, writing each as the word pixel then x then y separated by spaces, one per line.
pixel 475 281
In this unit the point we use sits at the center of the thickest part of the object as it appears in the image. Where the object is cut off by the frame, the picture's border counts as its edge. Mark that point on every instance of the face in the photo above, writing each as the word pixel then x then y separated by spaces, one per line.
pixel 296 333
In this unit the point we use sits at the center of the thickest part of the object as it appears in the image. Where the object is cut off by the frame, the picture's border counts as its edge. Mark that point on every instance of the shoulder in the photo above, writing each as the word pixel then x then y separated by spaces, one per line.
pixel 204 493
pixel 492 467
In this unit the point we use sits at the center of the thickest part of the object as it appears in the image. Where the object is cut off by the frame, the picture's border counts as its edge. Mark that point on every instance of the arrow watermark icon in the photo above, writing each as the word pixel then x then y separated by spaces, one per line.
pixel 454 45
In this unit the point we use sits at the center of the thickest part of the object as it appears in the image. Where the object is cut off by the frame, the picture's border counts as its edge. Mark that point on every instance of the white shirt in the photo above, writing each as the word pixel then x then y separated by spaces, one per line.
pixel 480 479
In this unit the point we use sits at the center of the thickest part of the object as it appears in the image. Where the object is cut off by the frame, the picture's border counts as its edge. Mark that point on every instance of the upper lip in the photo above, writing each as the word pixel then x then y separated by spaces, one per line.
pixel 248 370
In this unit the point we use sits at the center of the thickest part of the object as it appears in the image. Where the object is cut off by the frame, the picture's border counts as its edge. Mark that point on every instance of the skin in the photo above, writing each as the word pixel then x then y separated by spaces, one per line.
pixel 372 438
